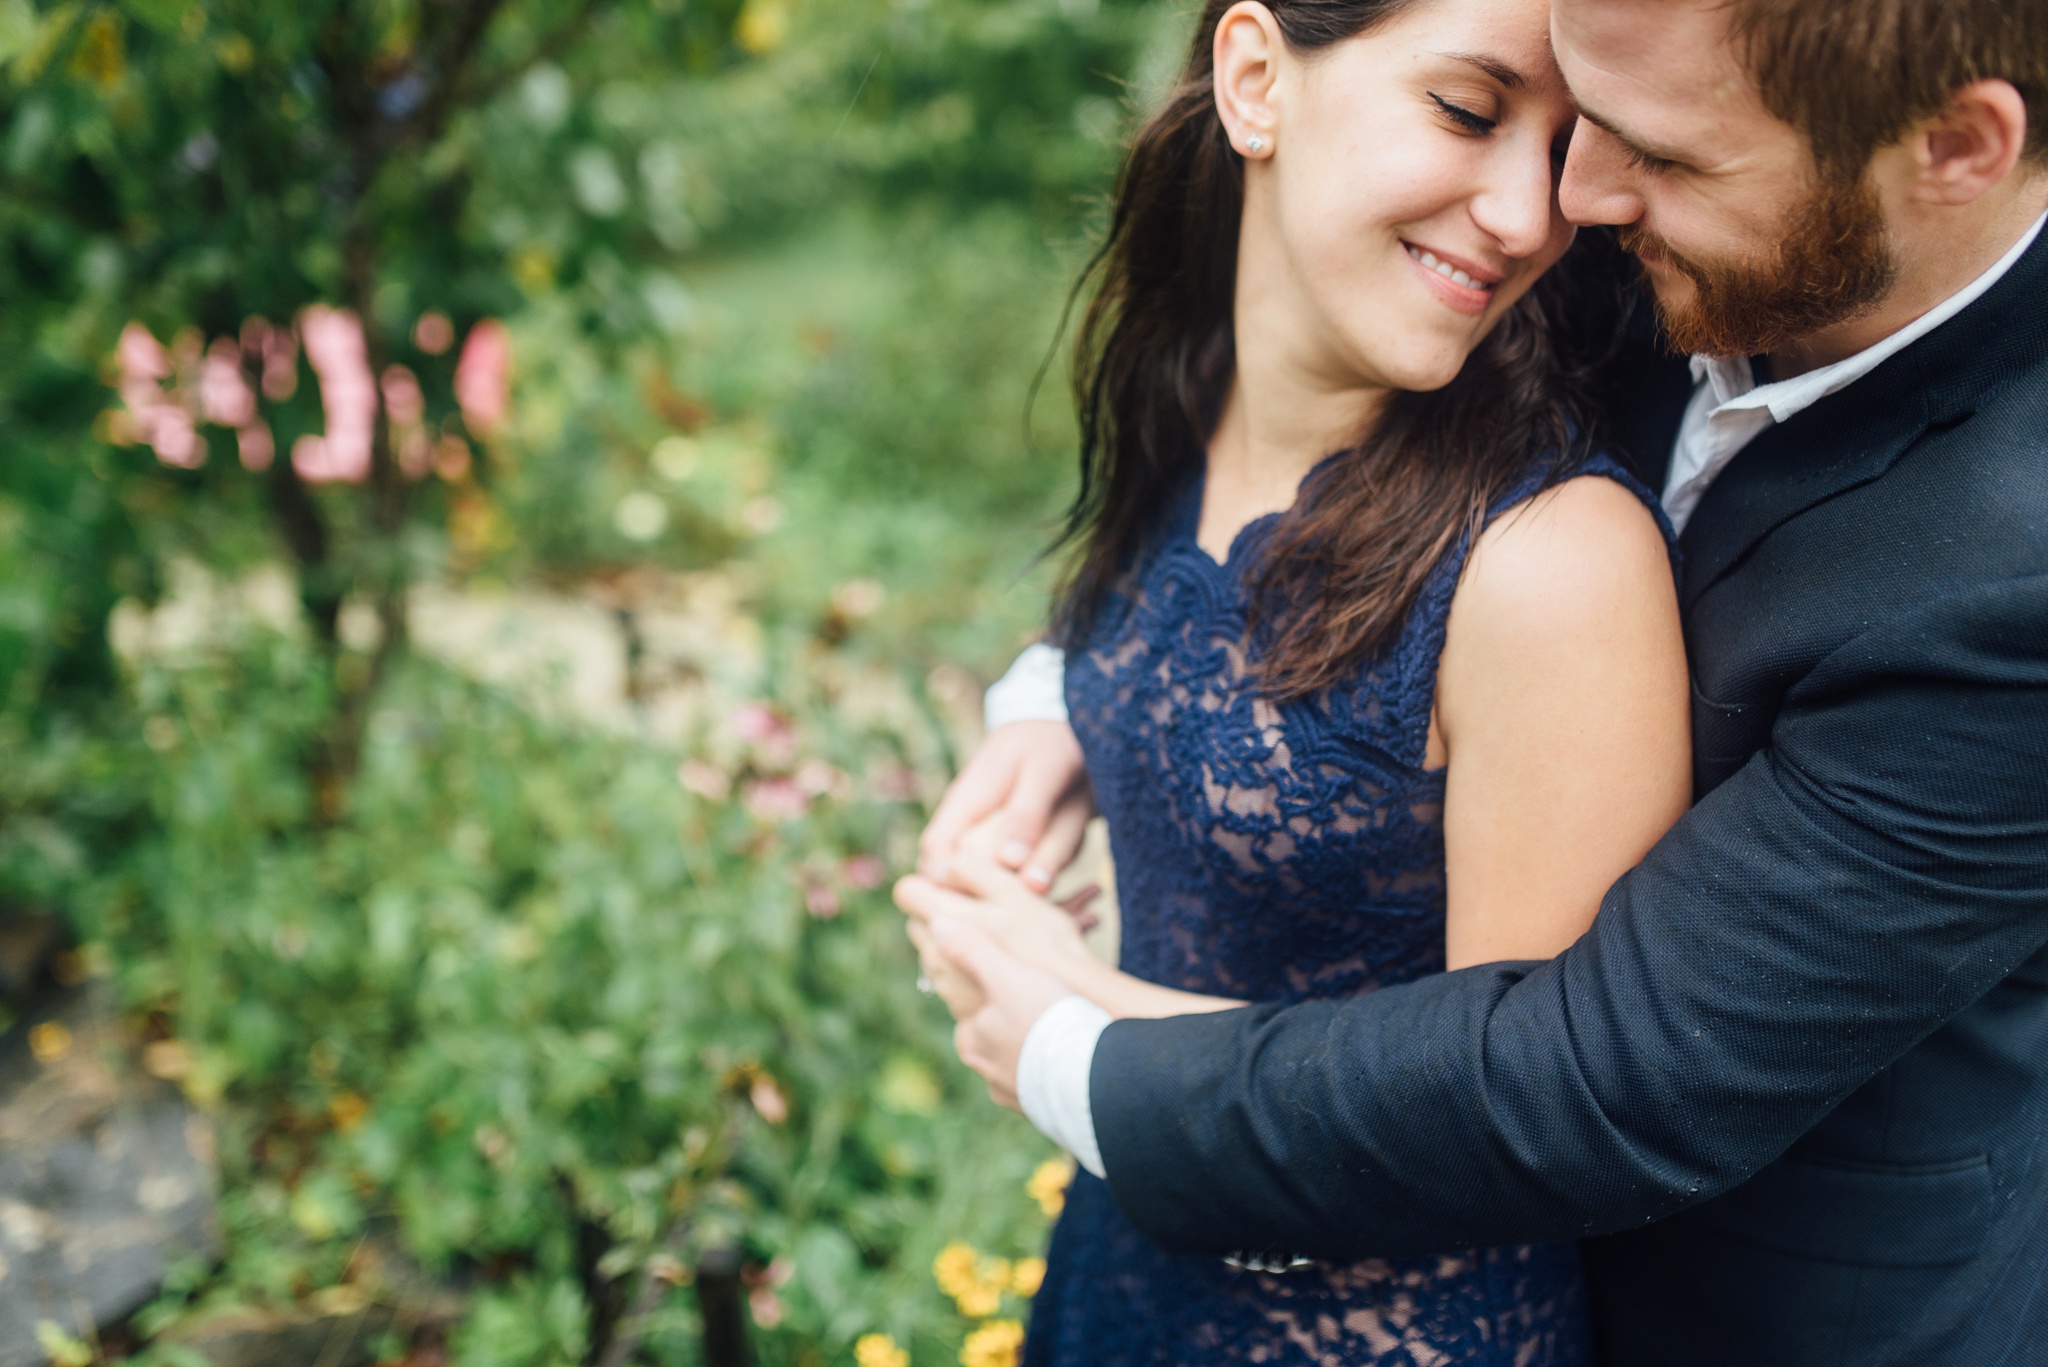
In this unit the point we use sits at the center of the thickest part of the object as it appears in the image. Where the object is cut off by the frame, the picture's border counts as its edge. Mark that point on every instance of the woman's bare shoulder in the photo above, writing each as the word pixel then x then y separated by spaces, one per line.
pixel 1572 554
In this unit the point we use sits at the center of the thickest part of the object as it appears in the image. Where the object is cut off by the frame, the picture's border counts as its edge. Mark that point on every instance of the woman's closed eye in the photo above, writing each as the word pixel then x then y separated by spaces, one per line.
pixel 1463 117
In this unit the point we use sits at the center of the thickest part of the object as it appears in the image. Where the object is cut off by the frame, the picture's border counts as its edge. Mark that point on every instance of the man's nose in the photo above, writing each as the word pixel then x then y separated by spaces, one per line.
pixel 1598 185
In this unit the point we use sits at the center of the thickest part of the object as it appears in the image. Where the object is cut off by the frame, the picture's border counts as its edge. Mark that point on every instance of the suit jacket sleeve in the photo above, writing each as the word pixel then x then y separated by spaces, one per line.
pixel 1875 870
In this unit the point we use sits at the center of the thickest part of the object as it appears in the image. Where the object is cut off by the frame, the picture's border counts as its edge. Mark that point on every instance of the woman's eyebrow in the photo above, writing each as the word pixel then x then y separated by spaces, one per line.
pixel 1492 66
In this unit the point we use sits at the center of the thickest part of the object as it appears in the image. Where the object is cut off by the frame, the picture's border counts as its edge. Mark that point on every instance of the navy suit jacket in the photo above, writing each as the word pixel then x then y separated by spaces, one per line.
pixel 1792 1086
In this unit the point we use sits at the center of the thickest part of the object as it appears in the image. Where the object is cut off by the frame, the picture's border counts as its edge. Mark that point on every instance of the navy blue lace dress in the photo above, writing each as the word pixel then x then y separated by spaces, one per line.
pixel 1274 853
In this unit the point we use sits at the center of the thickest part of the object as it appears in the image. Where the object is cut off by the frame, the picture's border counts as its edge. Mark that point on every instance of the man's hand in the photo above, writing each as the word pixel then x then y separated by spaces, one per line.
pixel 1028 782
pixel 991 1040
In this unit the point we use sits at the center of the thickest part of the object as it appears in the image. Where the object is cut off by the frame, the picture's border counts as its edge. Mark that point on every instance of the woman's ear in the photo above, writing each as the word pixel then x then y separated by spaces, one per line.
pixel 1248 54
pixel 1970 147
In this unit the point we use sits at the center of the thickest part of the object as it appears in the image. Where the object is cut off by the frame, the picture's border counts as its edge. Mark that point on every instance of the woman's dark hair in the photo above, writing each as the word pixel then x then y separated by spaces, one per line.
pixel 1333 583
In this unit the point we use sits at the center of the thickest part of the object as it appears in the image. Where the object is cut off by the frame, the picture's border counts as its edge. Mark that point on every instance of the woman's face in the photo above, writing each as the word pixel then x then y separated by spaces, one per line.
pixel 1407 195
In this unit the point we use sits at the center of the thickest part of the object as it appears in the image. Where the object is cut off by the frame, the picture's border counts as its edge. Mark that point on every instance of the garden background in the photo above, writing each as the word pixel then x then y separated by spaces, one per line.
pixel 506 509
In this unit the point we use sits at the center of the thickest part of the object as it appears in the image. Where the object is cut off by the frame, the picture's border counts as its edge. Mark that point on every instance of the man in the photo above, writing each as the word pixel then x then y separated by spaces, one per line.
pixel 1792 1087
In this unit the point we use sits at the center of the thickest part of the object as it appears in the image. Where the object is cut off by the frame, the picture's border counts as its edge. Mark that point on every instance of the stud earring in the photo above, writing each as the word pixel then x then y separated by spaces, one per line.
pixel 1255 144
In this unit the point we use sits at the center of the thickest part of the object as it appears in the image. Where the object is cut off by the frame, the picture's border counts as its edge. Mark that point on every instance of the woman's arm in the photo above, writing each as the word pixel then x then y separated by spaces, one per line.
pixel 1563 712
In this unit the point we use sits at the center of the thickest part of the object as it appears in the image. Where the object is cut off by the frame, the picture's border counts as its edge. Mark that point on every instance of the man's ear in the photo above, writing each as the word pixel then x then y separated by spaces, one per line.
pixel 1970 147
pixel 1247 54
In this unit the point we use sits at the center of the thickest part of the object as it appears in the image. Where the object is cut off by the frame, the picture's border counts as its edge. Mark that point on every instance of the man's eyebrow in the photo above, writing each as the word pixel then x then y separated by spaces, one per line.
pixel 1627 139
pixel 1492 66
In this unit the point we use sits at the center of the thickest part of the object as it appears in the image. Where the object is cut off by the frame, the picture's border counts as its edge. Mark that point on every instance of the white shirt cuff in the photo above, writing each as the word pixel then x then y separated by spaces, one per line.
pixel 1034 689
pixel 1052 1076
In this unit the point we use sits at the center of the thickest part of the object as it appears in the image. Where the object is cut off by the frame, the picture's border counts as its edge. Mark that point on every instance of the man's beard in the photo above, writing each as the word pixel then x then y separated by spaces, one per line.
pixel 1832 264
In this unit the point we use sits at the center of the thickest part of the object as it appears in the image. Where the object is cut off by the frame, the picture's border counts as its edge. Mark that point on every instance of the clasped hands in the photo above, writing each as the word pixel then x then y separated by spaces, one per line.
pixel 994 947
pixel 997 950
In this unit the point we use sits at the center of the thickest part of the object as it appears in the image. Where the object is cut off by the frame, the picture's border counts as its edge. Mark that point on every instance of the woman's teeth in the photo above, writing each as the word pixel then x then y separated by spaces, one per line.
pixel 1445 269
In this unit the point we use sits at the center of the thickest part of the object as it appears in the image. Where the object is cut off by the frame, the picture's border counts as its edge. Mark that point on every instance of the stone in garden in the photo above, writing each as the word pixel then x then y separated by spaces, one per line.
pixel 106 1177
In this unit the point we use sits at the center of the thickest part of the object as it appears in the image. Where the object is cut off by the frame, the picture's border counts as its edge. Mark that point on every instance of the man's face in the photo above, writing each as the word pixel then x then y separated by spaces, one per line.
pixel 1746 244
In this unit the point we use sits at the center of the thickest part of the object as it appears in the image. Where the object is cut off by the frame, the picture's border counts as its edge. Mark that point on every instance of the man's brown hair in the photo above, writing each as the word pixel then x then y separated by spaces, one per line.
pixel 1854 75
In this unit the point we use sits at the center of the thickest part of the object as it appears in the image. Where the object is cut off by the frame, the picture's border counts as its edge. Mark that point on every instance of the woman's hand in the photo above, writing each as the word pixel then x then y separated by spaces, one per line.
pixel 1041 935
pixel 1030 928
pixel 1028 787
pixel 959 990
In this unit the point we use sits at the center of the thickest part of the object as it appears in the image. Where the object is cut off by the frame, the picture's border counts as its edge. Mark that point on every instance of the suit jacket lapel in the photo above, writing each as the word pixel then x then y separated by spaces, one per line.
pixel 1854 436
pixel 1790 468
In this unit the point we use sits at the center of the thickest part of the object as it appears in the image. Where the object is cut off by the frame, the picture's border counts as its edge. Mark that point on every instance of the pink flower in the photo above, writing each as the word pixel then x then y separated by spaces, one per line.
pixel 175 438
pixel 821 901
pixel 707 781
pixel 863 871
pixel 403 400
pixel 406 406
pixel 348 397
pixel 767 1307
pixel 224 393
pixel 483 376
pixel 775 799
pixel 757 722
pixel 153 417
pixel 280 352
pixel 433 333
pixel 768 1100
pixel 818 778
pixel 141 356
pixel 255 446
pixel 768 731
pixel 416 453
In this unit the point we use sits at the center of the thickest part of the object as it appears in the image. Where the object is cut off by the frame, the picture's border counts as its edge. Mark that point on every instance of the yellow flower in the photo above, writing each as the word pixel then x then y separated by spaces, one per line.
pixel 879 1350
pixel 982 1299
pixel 954 1268
pixel 533 268
pixel 762 26
pixel 1048 1185
pixel 995 1344
pixel 975 1281
pixel 1027 1275
pixel 99 56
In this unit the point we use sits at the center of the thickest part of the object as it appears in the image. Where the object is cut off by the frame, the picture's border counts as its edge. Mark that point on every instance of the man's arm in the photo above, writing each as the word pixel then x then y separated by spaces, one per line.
pixel 1854 887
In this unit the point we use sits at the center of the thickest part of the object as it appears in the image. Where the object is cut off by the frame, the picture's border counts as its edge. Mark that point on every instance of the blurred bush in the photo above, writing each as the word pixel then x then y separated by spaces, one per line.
pixel 483 983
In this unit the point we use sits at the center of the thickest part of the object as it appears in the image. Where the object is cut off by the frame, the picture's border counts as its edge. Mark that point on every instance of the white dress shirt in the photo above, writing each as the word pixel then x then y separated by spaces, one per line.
pixel 1728 411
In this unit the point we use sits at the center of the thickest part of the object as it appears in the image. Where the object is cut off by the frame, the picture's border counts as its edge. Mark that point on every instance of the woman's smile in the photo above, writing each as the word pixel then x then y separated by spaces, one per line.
pixel 1464 285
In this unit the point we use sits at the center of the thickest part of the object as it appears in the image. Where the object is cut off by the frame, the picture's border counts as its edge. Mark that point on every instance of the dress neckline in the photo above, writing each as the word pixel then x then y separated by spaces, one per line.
pixel 1190 519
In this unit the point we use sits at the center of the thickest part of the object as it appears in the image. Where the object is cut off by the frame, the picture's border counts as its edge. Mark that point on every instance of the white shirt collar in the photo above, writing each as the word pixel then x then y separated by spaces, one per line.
pixel 1734 382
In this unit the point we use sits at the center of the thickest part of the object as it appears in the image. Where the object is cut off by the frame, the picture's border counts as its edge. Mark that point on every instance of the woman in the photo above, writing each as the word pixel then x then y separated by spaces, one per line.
pixel 1352 718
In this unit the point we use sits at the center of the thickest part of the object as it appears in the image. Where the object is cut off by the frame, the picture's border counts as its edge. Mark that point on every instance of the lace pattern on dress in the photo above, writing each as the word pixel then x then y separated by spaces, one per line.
pixel 1275 852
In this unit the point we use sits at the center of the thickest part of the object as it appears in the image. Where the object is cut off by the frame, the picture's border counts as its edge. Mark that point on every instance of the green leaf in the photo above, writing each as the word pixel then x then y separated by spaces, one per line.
pixel 163 15
pixel 17 28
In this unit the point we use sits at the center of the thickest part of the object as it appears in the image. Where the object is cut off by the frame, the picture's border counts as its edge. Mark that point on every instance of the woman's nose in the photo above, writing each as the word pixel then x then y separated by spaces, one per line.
pixel 1518 210
pixel 1597 185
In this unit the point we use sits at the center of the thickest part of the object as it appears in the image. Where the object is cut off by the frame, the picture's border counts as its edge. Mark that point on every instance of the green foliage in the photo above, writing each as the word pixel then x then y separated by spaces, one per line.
pixel 456 973
pixel 531 984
